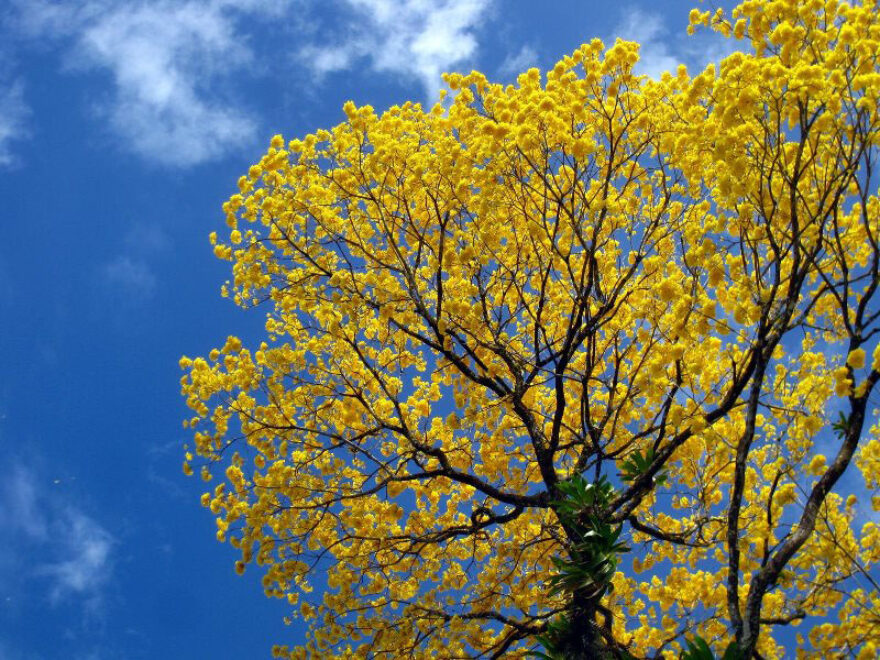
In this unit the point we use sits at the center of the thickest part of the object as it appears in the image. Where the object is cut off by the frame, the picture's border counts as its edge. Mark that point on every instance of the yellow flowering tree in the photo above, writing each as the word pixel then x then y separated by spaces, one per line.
pixel 583 358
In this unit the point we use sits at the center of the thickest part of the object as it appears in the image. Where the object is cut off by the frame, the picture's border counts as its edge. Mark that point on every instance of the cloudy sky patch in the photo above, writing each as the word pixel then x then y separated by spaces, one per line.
pixel 53 550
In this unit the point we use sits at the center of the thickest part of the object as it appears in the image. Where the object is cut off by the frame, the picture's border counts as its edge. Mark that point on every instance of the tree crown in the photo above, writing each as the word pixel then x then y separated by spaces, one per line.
pixel 589 308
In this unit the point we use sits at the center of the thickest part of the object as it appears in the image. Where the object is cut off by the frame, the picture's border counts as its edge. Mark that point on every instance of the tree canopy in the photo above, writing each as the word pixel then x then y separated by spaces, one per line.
pixel 592 350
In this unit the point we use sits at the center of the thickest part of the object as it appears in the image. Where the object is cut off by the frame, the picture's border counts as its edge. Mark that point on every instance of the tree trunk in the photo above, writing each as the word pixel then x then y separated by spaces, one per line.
pixel 584 639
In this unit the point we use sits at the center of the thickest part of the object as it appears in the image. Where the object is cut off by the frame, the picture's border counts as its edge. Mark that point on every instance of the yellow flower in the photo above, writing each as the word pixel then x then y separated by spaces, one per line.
pixel 856 358
pixel 667 290
pixel 817 464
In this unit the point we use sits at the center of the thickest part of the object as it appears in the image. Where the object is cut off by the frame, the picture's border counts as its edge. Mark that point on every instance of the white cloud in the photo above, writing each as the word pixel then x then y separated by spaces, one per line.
pixel 130 271
pixel 159 55
pixel 132 275
pixel 52 541
pixel 20 513
pixel 85 566
pixel 167 60
pixel 12 119
pixel 416 38
pixel 171 63
pixel 147 238
pixel 663 51
pixel 516 63
pixel 326 59
pixel 650 32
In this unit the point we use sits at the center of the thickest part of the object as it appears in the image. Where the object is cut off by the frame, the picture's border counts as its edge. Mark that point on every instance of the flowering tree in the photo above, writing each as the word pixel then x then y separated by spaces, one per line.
pixel 580 360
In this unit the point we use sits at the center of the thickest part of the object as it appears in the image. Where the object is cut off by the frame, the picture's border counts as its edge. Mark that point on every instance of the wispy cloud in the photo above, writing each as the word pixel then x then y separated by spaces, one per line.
pixel 130 271
pixel 518 62
pixel 172 63
pixel 20 513
pixel 168 62
pixel 85 567
pixel 663 50
pixel 145 237
pixel 650 31
pixel 323 60
pixel 413 38
pixel 131 274
pixel 50 542
pixel 13 119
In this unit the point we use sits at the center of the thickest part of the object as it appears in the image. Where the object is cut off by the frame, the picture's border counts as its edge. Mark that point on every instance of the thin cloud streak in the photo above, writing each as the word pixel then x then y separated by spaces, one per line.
pixel 85 568
pixel 516 63
pixel 20 513
pixel 130 271
pixel 13 120
pixel 132 275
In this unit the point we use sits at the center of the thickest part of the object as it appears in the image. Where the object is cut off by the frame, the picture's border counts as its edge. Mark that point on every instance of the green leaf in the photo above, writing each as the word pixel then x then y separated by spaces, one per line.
pixel 697 649
pixel 841 425
pixel 732 652
pixel 637 463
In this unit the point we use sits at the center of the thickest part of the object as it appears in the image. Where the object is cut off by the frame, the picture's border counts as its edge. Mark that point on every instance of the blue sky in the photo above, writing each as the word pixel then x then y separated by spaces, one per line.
pixel 123 127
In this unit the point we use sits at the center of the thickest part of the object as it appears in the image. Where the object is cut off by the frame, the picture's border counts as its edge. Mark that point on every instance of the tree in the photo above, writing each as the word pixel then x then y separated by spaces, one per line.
pixel 582 359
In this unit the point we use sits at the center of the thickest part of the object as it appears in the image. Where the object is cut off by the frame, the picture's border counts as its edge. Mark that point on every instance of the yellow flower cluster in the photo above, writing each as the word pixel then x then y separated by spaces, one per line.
pixel 467 304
